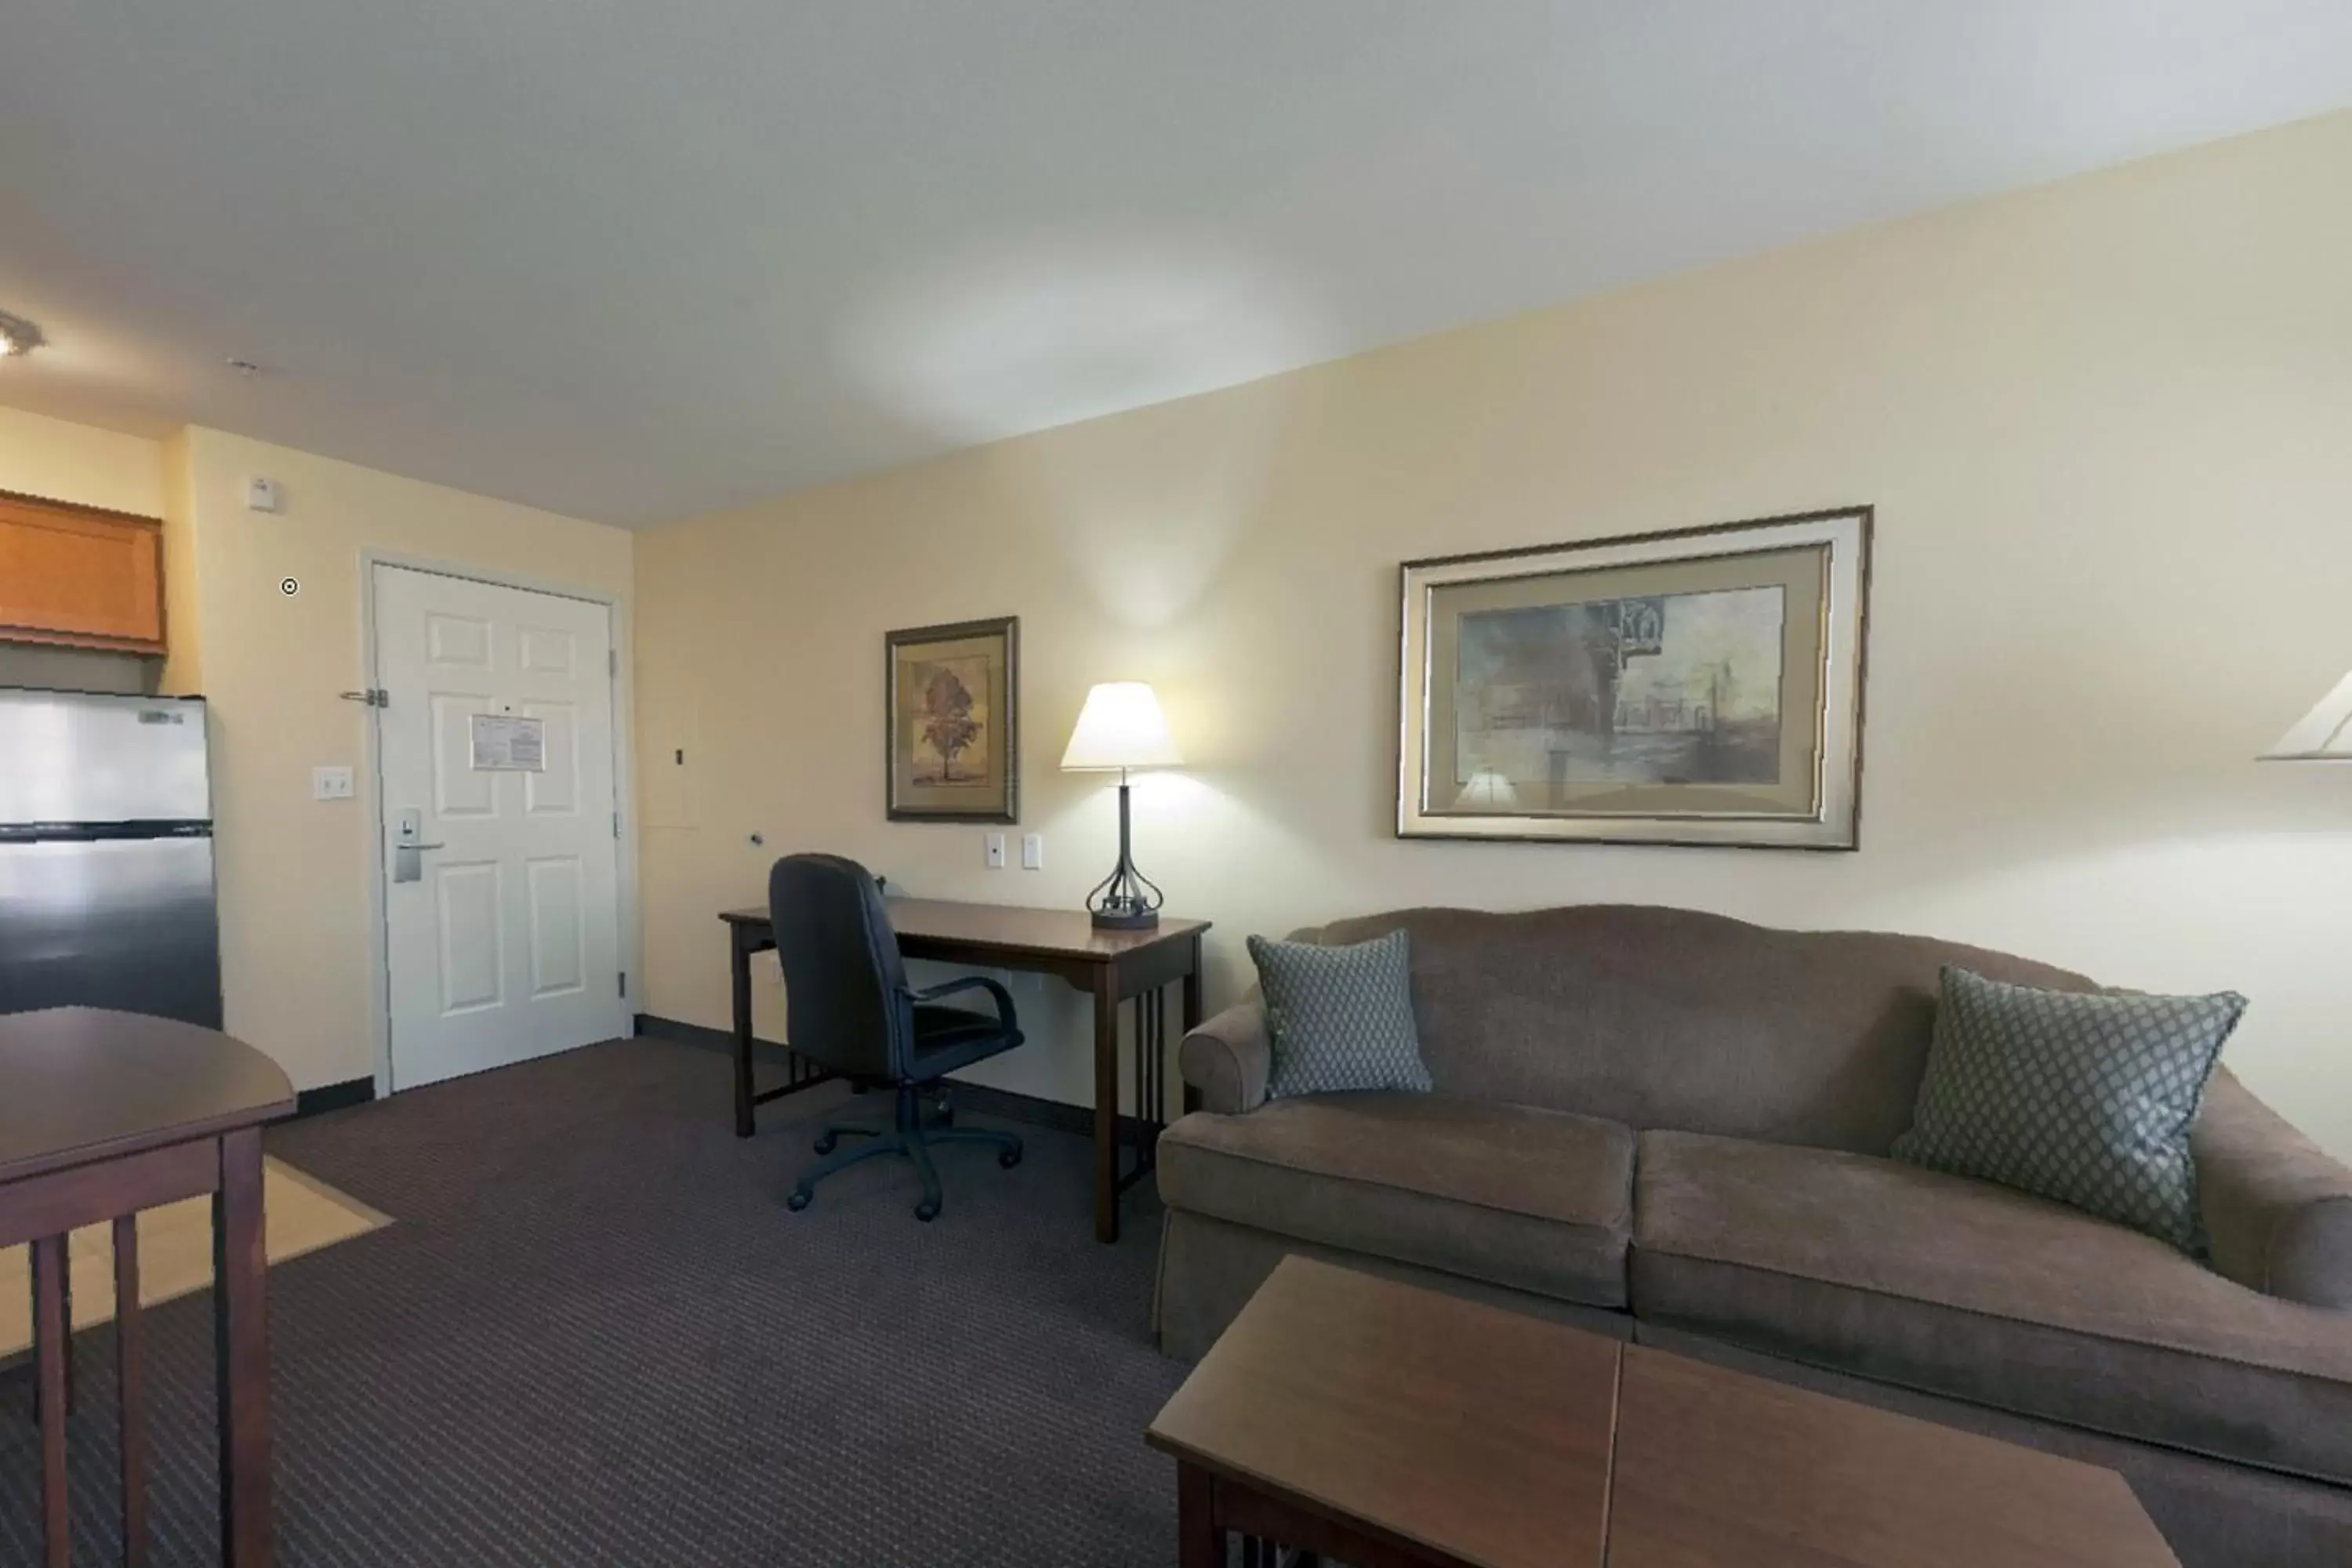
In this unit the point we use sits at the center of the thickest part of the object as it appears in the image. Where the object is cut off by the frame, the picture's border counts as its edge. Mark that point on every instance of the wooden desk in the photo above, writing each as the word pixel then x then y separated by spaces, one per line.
pixel 1111 966
pixel 1391 1427
pixel 103 1114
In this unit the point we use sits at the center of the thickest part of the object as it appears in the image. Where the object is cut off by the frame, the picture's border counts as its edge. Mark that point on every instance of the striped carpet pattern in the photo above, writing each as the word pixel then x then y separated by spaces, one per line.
pixel 175 1250
pixel 595 1337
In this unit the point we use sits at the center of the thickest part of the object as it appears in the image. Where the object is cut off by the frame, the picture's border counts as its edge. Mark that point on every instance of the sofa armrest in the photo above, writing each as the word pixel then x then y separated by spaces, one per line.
pixel 1226 1059
pixel 2277 1209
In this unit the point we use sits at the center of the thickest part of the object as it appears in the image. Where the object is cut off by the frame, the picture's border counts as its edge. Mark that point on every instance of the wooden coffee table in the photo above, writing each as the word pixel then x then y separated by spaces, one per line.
pixel 1382 1424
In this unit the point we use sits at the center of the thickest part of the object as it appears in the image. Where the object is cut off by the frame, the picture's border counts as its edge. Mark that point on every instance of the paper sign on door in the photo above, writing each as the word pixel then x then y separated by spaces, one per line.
pixel 504 743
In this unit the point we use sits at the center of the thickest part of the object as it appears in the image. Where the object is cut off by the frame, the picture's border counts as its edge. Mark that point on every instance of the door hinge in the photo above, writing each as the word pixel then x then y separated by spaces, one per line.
pixel 624 983
pixel 617 824
pixel 612 661
pixel 373 697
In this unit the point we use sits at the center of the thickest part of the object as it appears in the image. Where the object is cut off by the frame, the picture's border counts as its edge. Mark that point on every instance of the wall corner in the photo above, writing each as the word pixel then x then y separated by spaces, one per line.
pixel 183 561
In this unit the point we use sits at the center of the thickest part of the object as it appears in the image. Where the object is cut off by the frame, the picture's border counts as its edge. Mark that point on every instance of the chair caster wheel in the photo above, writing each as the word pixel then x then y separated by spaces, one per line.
pixel 824 1142
pixel 927 1211
pixel 799 1200
pixel 1010 1158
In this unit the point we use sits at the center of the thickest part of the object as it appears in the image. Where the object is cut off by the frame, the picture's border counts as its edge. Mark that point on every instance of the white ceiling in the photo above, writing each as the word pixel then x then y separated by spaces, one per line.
pixel 633 261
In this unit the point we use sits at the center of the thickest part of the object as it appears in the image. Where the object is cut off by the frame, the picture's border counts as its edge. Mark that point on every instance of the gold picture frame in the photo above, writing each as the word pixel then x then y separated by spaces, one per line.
pixel 951 734
pixel 1700 685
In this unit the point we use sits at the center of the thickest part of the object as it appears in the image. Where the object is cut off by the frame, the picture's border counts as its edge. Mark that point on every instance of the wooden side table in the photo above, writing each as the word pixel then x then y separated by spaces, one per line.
pixel 103 1114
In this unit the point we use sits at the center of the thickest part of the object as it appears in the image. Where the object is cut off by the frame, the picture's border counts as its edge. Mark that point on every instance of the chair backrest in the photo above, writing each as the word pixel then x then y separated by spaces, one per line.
pixel 843 974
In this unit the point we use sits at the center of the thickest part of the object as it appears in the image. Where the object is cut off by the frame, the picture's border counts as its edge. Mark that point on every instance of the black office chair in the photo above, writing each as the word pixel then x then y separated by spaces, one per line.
pixel 848 1007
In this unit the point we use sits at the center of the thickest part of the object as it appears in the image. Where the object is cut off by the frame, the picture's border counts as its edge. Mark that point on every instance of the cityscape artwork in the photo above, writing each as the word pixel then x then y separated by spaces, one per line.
pixel 1664 688
pixel 1699 686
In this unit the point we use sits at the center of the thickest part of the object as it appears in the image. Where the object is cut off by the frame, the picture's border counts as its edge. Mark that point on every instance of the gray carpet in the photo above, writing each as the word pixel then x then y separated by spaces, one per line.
pixel 594 1336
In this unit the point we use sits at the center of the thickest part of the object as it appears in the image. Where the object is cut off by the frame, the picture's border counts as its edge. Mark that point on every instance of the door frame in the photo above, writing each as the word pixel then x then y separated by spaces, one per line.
pixel 624 799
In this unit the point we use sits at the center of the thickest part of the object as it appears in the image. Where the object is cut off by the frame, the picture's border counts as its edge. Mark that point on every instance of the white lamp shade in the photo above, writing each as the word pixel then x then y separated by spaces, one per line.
pixel 1120 727
pixel 2322 735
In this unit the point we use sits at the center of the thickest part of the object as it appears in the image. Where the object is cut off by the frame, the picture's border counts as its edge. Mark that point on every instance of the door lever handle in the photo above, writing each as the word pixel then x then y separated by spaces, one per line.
pixel 408 861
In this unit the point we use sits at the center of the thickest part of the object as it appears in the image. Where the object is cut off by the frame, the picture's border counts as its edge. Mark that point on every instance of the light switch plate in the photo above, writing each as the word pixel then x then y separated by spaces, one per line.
pixel 331 784
pixel 993 845
pixel 1033 852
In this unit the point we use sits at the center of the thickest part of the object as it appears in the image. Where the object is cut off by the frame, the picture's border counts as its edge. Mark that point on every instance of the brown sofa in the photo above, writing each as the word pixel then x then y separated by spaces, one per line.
pixel 1674 1127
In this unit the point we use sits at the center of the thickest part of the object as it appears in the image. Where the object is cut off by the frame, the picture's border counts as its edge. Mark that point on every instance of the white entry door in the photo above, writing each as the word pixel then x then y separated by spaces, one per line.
pixel 500 866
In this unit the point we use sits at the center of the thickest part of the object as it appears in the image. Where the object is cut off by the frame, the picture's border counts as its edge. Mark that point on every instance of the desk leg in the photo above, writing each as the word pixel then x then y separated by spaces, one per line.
pixel 1195 1015
pixel 740 971
pixel 241 1352
pixel 1107 1104
pixel 1199 1543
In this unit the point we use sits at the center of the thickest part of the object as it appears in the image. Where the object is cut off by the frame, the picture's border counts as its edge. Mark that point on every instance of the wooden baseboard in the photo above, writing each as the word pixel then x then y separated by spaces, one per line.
pixel 333 1096
pixel 977 1097
pixel 702 1035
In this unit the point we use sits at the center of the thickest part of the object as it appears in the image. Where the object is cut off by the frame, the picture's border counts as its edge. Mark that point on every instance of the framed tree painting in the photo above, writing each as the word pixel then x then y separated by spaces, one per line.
pixel 1700 687
pixel 950 699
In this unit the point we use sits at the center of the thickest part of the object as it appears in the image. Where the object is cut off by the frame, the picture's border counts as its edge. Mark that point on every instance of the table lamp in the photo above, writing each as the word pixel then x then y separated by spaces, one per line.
pixel 1120 728
pixel 2322 735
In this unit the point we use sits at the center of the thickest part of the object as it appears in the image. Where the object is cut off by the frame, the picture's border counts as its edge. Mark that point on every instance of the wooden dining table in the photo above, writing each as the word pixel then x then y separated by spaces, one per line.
pixel 103 1114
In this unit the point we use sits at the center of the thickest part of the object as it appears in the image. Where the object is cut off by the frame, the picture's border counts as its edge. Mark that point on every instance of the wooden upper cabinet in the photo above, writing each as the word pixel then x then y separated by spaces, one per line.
pixel 79 576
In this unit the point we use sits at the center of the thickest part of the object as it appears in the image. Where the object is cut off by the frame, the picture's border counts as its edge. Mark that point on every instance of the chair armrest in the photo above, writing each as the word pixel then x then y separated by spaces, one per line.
pixel 2277 1208
pixel 969 982
pixel 1226 1059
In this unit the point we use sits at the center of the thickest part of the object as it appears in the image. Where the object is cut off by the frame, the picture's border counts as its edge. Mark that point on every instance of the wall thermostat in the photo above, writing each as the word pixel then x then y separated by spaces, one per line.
pixel 261 495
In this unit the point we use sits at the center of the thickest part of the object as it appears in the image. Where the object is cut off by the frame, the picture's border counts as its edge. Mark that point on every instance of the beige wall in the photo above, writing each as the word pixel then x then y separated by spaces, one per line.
pixel 296 954
pixel 2108 427
pixel 79 463
pixel 184 628
pixel 296 959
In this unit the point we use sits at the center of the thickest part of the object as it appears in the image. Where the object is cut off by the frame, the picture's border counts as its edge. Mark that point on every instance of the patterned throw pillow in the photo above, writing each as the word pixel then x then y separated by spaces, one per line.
pixel 2084 1096
pixel 1340 1017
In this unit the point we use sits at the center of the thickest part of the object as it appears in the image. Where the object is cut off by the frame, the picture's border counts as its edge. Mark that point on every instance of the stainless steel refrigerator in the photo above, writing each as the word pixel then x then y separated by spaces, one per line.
pixel 106 855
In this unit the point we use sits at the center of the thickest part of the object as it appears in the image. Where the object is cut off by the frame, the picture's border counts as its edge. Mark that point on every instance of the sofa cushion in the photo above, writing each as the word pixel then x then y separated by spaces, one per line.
pixel 1955 1287
pixel 1664 1017
pixel 2085 1098
pixel 1338 1018
pixel 1536 1200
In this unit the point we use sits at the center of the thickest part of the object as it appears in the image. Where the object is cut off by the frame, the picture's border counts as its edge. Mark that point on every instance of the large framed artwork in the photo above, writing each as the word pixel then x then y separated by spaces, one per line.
pixel 951 710
pixel 1696 686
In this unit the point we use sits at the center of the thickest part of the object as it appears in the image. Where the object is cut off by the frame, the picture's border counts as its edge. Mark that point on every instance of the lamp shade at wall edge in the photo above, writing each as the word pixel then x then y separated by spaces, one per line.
pixel 2322 735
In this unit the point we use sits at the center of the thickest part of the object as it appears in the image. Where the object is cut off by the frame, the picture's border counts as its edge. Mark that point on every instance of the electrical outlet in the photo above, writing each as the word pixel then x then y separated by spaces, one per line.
pixel 993 845
pixel 1033 852
pixel 331 784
